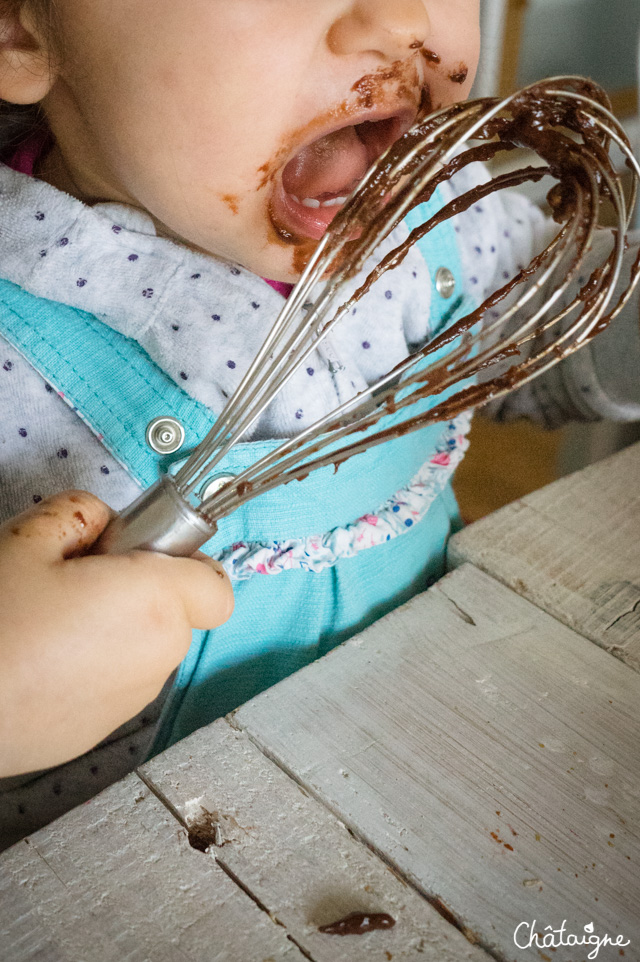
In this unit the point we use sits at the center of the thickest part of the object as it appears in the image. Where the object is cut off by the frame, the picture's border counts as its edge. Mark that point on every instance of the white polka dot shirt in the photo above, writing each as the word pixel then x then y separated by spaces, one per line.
pixel 202 321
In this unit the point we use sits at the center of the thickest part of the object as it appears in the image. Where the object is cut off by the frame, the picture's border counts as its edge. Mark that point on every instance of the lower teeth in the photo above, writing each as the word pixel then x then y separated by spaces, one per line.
pixel 314 203
pixel 335 202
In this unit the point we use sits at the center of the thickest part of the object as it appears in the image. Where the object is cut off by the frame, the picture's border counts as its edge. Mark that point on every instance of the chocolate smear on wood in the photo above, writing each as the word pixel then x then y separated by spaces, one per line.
pixel 357 923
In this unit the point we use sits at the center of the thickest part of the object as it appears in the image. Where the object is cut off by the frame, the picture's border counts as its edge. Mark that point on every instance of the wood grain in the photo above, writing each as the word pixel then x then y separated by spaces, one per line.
pixel 485 750
pixel 295 857
pixel 573 548
pixel 117 881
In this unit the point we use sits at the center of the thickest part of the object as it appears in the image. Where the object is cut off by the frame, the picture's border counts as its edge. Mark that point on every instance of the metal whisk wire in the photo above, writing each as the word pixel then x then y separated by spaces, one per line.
pixel 572 131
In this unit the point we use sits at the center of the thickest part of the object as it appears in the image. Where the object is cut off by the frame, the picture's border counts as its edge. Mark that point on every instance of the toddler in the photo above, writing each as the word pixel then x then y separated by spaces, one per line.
pixel 167 169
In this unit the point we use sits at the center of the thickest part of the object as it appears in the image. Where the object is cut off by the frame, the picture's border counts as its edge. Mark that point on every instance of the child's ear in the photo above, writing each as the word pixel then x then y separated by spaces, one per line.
pixel 26 69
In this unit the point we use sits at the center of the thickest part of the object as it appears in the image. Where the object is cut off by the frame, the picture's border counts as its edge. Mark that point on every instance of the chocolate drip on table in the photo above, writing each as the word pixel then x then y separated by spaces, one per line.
pixel 357 923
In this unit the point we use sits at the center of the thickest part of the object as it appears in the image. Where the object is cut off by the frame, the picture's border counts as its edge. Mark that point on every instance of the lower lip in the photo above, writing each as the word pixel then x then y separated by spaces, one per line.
pixel 294 222
pixel 294 219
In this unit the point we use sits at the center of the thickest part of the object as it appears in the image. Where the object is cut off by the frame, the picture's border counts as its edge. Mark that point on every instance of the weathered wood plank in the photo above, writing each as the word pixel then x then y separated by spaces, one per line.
pixel 573 548
pixel 483 748
pixel 294 856
pixel 117 881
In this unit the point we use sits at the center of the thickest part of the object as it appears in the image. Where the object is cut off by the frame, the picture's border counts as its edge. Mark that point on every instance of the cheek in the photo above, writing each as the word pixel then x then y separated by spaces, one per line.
pixel 216 130
pixel 455 39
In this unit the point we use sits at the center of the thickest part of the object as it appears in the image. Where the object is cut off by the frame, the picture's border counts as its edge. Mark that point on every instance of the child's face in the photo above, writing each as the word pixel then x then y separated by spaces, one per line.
pixel 220 117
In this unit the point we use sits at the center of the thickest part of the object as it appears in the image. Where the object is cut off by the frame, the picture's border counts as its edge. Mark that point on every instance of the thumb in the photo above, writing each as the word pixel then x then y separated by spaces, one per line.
pixel 204 589
pixel 62 526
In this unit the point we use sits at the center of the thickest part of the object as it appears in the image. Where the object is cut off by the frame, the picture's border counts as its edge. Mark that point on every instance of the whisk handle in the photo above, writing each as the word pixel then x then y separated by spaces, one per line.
pixel 159 520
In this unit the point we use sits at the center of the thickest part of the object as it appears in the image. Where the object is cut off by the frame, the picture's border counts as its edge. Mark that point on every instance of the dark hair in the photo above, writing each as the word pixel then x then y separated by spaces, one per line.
pixel 19 121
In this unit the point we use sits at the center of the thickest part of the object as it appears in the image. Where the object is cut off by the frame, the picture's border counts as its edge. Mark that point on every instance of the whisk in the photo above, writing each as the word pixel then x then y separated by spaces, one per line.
pixel 567 122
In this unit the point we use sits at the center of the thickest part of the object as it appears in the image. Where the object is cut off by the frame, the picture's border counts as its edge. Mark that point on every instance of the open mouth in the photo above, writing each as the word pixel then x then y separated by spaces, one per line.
pixel 316 183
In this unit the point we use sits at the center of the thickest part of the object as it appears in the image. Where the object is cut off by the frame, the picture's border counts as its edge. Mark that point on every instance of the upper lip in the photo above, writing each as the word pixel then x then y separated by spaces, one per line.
pixel 406 113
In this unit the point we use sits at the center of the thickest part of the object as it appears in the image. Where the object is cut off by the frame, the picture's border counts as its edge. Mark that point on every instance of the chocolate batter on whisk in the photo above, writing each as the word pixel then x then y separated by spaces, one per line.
pixel 567 123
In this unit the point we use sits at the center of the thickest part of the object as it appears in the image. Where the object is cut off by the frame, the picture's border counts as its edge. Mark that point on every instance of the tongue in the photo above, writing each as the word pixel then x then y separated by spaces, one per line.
pixel 332 165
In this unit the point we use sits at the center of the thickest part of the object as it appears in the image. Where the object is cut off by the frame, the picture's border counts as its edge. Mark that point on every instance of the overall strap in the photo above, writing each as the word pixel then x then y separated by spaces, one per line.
pixel 104 376
pixel 441 254
pixel 117 389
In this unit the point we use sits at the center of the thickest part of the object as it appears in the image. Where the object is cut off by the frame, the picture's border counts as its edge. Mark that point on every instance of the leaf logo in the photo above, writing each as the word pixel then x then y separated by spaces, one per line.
pixel 589 927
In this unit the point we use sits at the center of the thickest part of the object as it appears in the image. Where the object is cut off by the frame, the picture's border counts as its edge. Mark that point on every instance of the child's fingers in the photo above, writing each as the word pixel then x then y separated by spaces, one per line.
pixel 66 525
pixel 205 590
pixel 60 527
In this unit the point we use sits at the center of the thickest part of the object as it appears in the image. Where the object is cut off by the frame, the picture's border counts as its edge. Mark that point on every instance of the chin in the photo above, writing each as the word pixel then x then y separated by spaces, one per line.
pixel 276 266
pixel 267 255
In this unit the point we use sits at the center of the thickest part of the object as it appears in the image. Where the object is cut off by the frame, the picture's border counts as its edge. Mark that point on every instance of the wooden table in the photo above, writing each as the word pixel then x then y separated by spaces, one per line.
pixel 468 766
pixel 573 549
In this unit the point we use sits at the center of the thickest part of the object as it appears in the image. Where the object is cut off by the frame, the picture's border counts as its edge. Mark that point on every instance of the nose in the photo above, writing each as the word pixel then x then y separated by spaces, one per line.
pixel 387 27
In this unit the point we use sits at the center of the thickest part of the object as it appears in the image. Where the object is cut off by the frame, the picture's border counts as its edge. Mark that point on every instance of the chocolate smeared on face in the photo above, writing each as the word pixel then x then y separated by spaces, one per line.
pixel 231 201
pixel 396 83
pixel 429 57
pixel 460 75
pixel 310 185
pixel 374 87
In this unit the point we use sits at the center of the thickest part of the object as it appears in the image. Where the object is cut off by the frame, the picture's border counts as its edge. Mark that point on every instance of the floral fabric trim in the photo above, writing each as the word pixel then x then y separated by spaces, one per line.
pixel 395 517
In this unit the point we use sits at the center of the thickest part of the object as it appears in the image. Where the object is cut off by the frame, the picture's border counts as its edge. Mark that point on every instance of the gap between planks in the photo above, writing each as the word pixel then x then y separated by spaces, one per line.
pixel 171 808
pixel 504 620
pixel 434 901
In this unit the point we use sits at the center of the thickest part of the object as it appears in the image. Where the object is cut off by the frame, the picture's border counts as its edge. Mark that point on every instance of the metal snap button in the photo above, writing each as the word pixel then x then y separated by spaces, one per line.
pixel 445 282
pixel 164 435
pixel 215 484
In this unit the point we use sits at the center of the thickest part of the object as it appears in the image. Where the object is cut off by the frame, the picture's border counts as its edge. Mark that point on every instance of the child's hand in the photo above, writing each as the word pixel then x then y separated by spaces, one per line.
pixel 86 642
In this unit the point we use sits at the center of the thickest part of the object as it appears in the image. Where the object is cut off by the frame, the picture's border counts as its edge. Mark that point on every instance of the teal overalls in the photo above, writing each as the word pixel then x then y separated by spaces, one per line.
pixel 282 622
